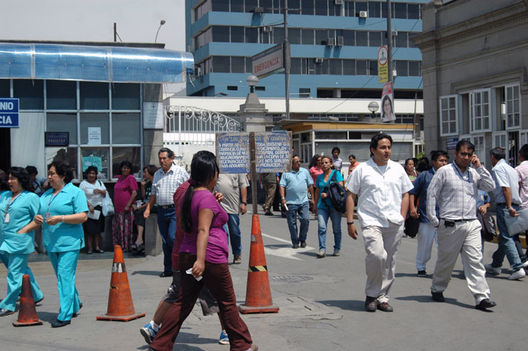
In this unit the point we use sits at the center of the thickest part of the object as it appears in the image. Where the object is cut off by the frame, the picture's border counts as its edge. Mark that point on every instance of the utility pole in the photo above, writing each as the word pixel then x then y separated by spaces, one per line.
pixel 389 39
pixel 115 32
pixel 286 50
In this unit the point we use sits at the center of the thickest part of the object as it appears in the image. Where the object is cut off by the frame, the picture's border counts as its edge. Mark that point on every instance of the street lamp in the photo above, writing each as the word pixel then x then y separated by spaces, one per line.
pixel 162 22
pixel 252 82
pixel 373 108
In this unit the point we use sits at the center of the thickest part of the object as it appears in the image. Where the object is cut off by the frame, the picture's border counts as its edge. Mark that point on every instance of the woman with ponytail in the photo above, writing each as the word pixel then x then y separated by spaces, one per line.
pixel 203 259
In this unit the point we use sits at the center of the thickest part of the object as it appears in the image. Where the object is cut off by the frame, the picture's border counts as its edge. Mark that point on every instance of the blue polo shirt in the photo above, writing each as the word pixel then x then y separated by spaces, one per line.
pixel 296 185
pixel 63 236
pixel 21 212
pixel 421 184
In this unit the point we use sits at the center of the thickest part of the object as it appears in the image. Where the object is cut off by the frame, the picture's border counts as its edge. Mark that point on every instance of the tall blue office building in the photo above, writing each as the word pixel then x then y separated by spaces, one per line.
pixel 334 46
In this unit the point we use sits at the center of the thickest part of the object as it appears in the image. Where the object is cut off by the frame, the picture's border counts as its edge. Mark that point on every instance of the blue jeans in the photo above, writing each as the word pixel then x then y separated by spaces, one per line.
pixel 322 219
pixel 304 218
pixel 506 245
pixel 233 228
pixel 167 228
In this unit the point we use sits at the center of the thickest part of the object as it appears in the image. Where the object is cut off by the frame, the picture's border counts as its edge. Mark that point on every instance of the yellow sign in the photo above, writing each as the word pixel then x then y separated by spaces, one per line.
pixel 383 64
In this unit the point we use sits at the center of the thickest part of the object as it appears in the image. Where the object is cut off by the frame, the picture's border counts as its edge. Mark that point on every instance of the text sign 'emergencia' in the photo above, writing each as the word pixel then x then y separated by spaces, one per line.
pixel 9 112
pixel 273 152
pixel 232 152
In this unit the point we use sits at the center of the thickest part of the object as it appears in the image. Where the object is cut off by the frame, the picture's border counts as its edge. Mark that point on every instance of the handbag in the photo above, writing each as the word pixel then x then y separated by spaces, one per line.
pixel 518 223
pixel 107 205
pixel 411 226
pixel 489 228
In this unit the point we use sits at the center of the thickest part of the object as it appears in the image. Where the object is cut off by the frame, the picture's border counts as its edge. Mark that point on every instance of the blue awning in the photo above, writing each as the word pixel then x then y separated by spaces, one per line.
pixel 93 63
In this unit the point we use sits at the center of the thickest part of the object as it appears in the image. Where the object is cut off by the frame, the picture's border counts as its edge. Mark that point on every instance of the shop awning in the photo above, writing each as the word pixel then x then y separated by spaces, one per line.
pixel 93 63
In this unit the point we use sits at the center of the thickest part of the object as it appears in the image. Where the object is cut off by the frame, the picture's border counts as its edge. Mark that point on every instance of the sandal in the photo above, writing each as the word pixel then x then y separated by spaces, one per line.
pixel 99 250
pixel 89 252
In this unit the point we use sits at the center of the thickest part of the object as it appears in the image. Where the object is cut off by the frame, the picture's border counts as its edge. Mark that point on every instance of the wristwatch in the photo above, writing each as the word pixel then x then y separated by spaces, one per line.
pixel 348 223
pixel 243 203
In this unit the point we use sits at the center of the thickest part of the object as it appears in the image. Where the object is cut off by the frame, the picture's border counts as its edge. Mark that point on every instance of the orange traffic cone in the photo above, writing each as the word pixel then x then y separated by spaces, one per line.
pixel 27 315
pixel 258 294
pixel 120 305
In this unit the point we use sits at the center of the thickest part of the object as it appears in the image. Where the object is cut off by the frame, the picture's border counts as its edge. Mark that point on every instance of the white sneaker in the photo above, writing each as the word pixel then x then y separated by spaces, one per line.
pixel 492 270
pixel 517 275
pixel 525 264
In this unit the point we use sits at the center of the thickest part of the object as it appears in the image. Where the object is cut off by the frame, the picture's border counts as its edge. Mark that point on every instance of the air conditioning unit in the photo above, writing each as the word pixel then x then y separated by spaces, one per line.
pixel 331 42
pixel 318 60
pixel 258 10
pixel 339 2
pixel 267 29
pixel 340 40
pixel 363 14
pixel 199 72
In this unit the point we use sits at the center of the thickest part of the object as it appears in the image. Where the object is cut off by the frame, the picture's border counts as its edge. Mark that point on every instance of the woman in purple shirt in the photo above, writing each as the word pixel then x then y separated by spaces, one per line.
pixel 203 259
pixel 125 192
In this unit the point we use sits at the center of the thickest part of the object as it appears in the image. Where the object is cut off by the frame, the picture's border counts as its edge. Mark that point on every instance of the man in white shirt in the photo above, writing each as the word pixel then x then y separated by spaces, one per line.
pixel 382 188
pixel 507 198
pixel 166 180
pixel 522 171
pixel 454 188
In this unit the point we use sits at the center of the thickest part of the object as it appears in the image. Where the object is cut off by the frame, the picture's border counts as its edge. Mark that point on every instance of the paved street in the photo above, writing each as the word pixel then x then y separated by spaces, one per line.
pixel 320 300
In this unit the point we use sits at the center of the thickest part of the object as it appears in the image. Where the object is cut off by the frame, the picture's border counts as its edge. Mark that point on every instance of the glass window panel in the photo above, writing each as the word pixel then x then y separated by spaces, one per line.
pixel 401 10
pixel 278 35
pixel 221 34
pixel 307 7
pixel 237 64
pixel 321 8
pixel 98 157
pixel 95 120
pixel 349 67
pixel 94 96
pixel 267 5
pixel 361 6
pixel 384 9
pixel 125 96
pixel 63 122
pixel 374 9
pixel 361 67
pixel 237 34
pixel 250 5
pixel 221 64
pixel 4 88
pixel 277 6
pixel 220 5
pixel 414 68
pixel 64 154
pixel 401 39
pixel 61 95
pixel 350 37
pixel 349 9
pixel 131 154
pixel 373 67
pixel 295 65
pixel 294 7
pixel 375 39
pixel 413 11
pixel 126 128
pixel 361 38
pixel 237 6
pixel 307 36
pixel 321 36
pixel 294 35
pixel 251 35
pixel 249 66
pixel 401 68
pixel 30 92
pixel 336 67
pixel 333 9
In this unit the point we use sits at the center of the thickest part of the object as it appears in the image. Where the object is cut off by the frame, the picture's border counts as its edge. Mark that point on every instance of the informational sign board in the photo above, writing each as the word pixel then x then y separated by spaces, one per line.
pixel 232 152
pixel 94 135
pixel 57 138
pixel 9 112
pixel 273 151
pixel 92 160
pixel 268 61
pixel 383 64
pixel 387 103
pixel 153 116
pixel 451 143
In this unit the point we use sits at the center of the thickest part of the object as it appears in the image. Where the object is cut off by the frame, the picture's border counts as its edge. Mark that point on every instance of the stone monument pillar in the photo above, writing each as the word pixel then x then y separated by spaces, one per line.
pixel 252 113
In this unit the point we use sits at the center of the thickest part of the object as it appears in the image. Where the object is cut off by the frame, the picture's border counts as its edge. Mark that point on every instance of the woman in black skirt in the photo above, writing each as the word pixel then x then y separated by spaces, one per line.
pixel 95 192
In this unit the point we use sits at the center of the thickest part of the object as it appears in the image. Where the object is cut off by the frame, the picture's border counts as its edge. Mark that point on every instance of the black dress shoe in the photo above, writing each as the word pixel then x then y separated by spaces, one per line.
pixel 485 304
pixel 295 246
pixel 371 304
pixel 422 273
pixel 165 274
pixel 77 313
pixel 303 244
pixel 268 213
pixel 58 323
pixel 385 307
pixel 437 296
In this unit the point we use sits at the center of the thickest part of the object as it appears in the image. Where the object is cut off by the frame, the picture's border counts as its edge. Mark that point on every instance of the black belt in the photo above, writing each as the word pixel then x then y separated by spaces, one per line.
pixel 166 206
pixel 504 204
pixel 458 220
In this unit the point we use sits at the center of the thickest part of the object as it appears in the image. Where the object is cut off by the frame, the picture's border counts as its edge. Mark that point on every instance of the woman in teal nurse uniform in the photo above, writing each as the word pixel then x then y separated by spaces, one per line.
pixel 17 209
pixel 63 209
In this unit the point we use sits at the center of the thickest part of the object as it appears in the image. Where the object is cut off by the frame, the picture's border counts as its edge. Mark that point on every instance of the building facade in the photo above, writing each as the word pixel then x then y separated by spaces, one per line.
pixel 334 46
pixel 475 73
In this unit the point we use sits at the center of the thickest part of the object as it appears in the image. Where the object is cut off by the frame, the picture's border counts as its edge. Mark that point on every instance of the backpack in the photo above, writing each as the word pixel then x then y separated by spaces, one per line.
pixel 337 194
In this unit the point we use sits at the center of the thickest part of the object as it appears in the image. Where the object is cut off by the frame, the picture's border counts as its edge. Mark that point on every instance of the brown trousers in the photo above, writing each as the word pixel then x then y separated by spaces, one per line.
pixel 270 195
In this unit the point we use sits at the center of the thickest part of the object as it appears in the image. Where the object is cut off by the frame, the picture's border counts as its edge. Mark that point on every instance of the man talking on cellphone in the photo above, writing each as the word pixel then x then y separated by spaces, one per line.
pixel 454 188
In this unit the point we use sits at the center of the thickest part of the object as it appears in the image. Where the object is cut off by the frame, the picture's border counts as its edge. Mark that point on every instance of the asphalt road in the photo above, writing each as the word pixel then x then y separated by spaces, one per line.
pixel 320 300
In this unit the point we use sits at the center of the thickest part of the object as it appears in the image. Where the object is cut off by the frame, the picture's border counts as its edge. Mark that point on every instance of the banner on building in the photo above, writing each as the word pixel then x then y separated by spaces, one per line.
pixel 383 64
pixel 387 103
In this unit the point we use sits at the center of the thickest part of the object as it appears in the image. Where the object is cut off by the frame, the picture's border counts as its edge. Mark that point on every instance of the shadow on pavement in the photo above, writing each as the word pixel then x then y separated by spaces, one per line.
pixel 351 305
pixel 157 273
pixel 427 299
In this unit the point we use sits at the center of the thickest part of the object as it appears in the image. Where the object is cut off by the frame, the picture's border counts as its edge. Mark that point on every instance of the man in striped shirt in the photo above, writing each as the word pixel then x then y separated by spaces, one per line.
pixel 454 188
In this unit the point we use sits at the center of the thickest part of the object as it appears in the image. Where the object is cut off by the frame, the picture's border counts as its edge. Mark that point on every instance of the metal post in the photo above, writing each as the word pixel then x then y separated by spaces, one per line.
pixel 286 50
pixel 180 132
pixel 389 40
pixel 115 32
pixel 253 170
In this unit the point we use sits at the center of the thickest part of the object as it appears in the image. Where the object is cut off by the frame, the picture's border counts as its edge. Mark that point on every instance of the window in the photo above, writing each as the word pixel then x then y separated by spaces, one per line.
pixel 125 96
pixel 237 34
pixel 499 140
pixel 307 7
pixel 221 5
pixel 304 92
pixel 94 96
pixel 513 113
pixel 221 34
pixel 448 115
pixel 30 92
pixel 374 9
pixel 361 38
pixel 479 110
pixel 61 95
pixel 237 64
pixel 480 146
pixel 294 35
pixel 401 39
pixel 221 64
pixel 307 36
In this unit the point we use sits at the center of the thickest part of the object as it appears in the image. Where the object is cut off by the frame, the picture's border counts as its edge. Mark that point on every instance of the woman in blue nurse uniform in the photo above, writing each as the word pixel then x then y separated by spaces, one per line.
pixel 63 209
pixel 17 209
